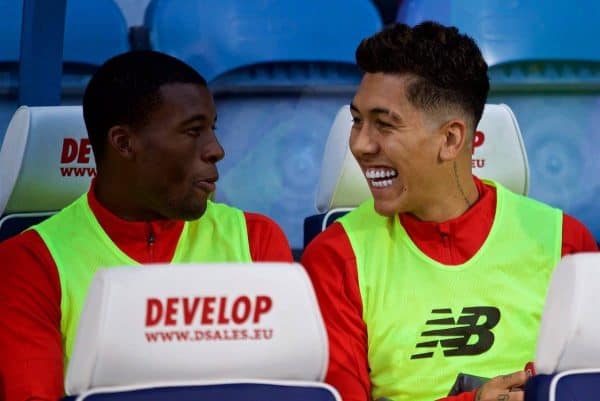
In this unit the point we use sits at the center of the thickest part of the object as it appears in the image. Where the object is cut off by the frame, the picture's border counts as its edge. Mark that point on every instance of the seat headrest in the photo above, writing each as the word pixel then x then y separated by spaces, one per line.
pixel 46 159
pixel 189 322
pixel 499 154
pixel 570 327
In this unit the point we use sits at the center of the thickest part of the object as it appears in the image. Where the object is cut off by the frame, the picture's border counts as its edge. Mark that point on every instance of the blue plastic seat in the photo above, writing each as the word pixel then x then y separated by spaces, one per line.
pixel 217 392
pixel 279 71
pixel 95 30
pixel 219 37
pixel 544 62
pixel 564 386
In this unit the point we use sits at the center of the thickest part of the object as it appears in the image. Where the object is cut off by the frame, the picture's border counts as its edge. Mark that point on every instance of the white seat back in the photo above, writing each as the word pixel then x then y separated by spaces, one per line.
pixel 46 159
pixel 570 328
pixel 161 324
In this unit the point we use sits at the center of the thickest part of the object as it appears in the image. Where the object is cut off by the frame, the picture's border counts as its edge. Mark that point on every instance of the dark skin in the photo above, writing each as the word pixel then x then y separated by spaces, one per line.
pixel 165 169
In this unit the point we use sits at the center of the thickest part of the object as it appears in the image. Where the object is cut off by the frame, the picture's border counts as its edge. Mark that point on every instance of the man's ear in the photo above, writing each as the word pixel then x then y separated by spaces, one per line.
pixel 121 138
pixel 455 137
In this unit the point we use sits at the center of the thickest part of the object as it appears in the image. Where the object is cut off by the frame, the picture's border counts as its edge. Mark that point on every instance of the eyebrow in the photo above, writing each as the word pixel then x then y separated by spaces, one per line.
pixel 379 110
pixel 197 117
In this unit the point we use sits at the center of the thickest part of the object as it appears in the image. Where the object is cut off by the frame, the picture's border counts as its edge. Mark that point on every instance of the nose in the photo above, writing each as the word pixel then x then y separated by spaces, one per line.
pixel 212 151
pixel 362 143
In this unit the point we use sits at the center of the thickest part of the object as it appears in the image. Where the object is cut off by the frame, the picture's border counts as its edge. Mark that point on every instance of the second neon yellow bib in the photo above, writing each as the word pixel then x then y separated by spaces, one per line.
pixel 428 322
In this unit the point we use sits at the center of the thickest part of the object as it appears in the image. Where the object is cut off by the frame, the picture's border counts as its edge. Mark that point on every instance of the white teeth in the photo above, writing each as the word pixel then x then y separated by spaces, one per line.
pixel 374 173
pixel 381 184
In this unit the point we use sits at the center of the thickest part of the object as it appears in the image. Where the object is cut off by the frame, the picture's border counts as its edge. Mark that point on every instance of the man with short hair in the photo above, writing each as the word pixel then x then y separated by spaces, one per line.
pixel 151 123
pixel 440 273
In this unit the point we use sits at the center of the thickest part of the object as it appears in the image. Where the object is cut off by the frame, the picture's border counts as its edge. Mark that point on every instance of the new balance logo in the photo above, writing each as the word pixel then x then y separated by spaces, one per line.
pixel 470 335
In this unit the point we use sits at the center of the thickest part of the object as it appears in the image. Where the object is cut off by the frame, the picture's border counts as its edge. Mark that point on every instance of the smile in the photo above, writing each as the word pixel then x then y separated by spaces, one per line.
pixel 381 177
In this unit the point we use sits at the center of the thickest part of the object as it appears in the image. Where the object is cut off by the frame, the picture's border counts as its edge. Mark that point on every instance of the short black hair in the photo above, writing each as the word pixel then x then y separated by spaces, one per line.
pixel 448 66
pixel 126 90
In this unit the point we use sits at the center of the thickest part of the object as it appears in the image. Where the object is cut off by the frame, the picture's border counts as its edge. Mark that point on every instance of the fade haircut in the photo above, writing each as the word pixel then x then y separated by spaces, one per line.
pixel 126 90
pixel 448 68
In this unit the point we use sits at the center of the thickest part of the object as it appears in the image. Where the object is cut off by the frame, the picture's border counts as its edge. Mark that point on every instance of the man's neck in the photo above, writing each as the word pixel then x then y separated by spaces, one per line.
pixel 118 200
pixel 453 199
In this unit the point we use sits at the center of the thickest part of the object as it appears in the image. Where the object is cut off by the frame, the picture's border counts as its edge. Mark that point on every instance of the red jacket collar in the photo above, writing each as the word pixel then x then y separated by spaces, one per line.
pixel 120 230
pixel 471 228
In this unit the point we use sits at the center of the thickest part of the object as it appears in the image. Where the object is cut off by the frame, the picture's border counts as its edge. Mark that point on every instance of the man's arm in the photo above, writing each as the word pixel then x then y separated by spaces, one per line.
pixel 331 265
pixel 576 237
pixel 266 239
pixel 31 366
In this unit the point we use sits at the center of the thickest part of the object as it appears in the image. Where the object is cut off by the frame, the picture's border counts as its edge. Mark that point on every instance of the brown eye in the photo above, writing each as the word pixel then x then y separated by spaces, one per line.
pixel 193 131
pixel 383 125
pixel 356 120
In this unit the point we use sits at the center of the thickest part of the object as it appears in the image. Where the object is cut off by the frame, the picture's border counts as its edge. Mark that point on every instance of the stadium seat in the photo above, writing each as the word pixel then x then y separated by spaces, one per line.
pixel 45 163
pixel 568 352
pixel 279 71
pixel 189 332
pixel 499 154
pixel 545 64
pixel 95 30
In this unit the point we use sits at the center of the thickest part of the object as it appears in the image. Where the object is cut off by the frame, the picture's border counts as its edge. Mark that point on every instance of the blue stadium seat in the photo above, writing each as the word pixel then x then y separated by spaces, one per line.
pixel 576 385
pixel 544 62
pixel 279 71
pixel 45 163
pixel 499 154
pixel 568 357
pixel 244 390
pixel 95 30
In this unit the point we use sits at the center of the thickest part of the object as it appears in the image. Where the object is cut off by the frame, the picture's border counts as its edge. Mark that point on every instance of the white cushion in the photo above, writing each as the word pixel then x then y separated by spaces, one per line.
pixel 500 155
pixel 119 340
pixel 569 335
pixel 42 146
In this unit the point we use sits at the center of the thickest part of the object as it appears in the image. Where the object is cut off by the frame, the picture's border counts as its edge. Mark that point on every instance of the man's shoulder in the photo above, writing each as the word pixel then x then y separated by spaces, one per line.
pixel 576 236
pixel 25 253
pixel 24 242
pixel 260 220
pixel 532 203
pixel 267 240
pixel 333 241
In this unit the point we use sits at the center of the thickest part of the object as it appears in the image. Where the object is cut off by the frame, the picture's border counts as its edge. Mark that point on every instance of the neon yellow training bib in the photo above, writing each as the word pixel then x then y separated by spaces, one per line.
pixel 428 322
pixel 79 247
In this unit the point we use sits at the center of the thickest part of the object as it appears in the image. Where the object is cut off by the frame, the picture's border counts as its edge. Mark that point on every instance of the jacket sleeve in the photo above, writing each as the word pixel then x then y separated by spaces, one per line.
pixel 330 263
pixel 576 237
pixel 31 366
pixel 267 241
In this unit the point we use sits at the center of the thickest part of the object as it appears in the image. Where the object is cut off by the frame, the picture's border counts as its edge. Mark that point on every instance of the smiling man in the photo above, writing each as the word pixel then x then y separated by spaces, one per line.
pixel 151 122
pixel 440 273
